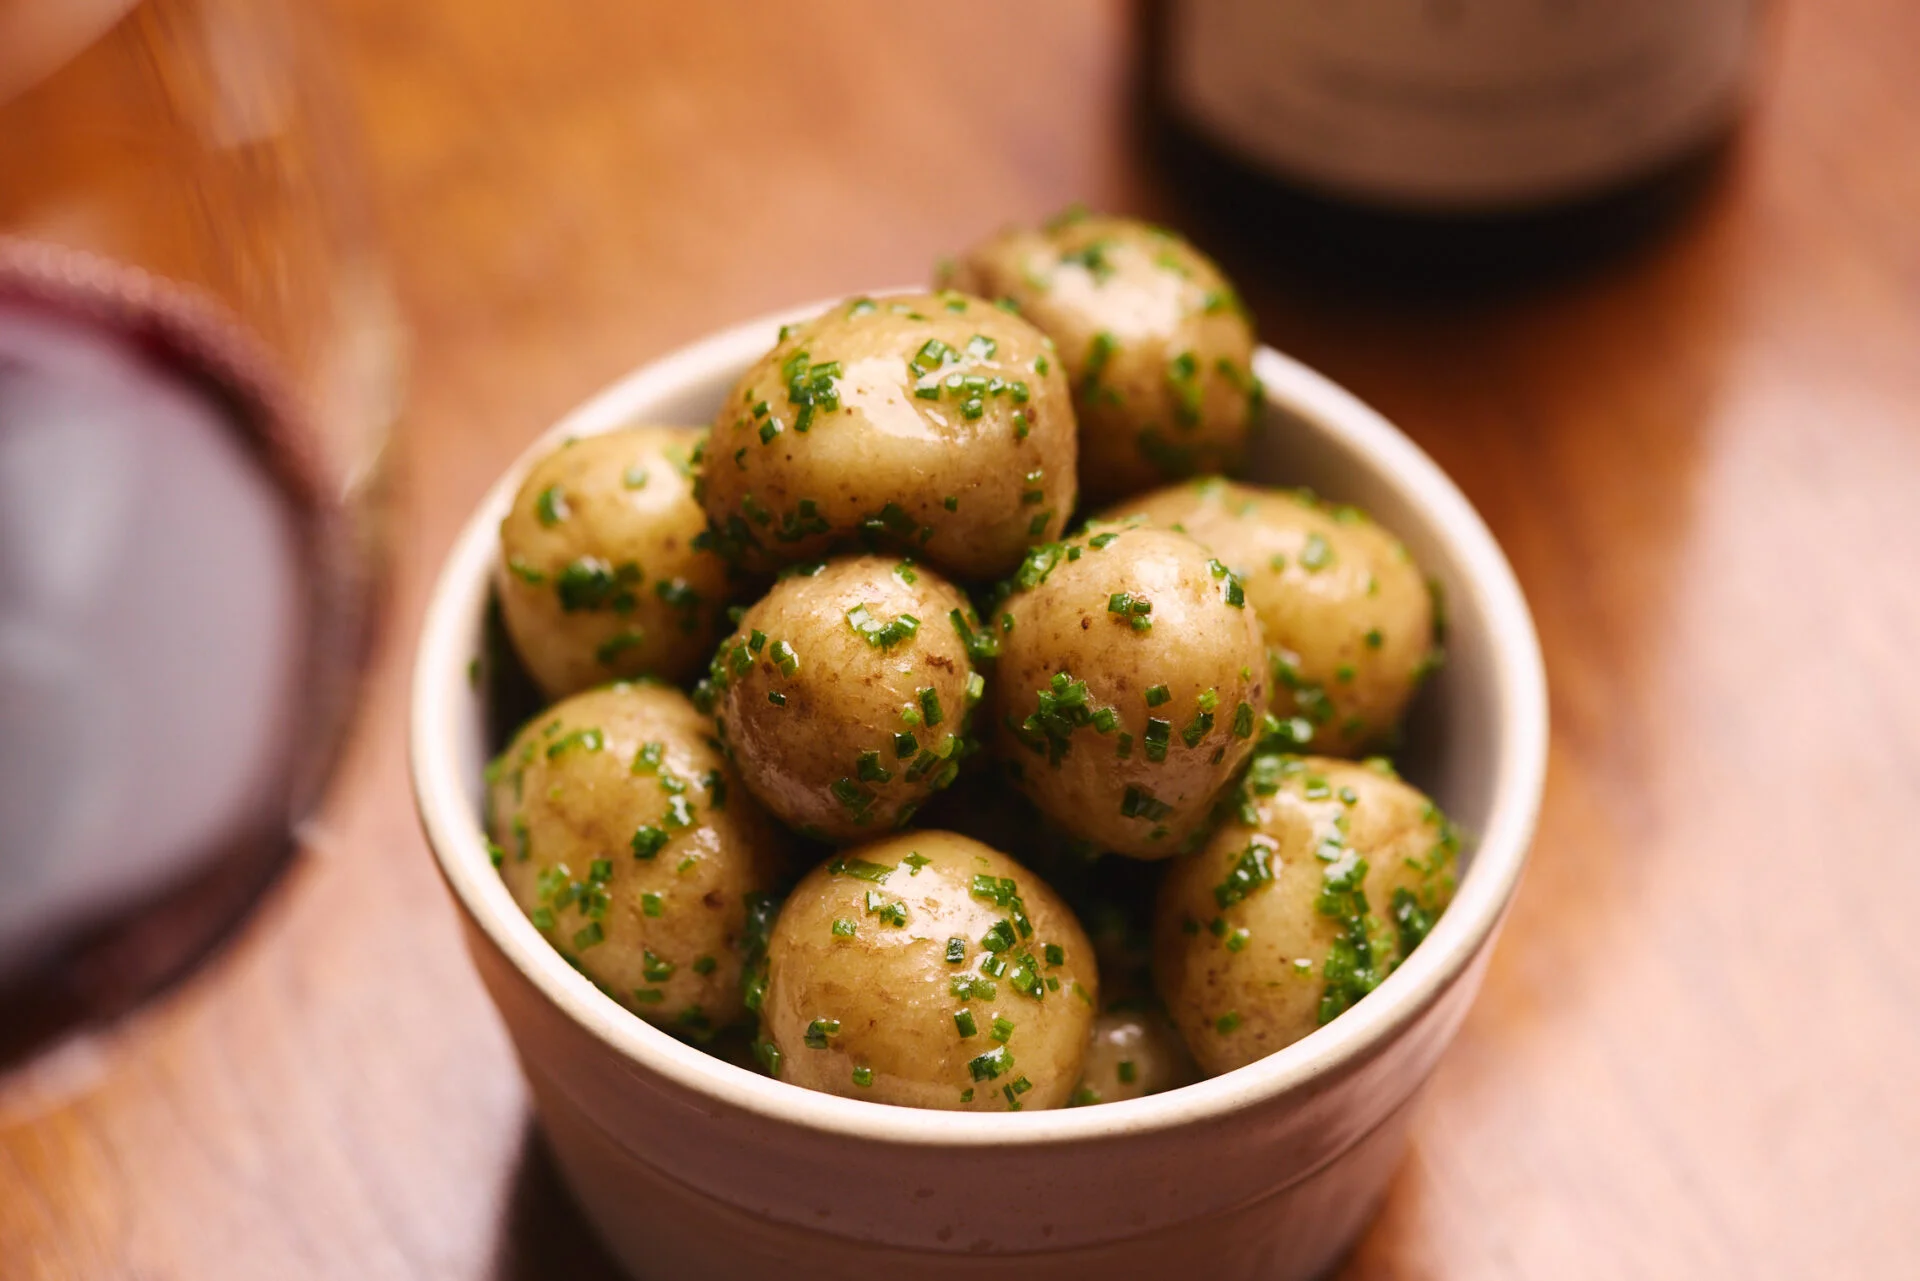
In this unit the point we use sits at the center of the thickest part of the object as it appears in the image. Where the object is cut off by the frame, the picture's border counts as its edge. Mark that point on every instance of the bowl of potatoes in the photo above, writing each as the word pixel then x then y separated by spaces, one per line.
pixel 1009 779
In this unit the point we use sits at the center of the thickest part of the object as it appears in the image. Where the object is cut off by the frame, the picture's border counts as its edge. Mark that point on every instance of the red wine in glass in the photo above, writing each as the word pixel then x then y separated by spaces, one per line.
pixel 182 609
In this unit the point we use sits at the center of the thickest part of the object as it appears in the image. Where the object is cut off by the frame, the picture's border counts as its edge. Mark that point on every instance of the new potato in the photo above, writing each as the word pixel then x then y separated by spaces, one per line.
pixel 1130 685
pixel 599 576
pixel 1155 342
pixel 1348 618
pixel 932 424
pixel 932 971
pixel 1280 924
pixel 1133 1052
pixel 622 832
pixel 844 694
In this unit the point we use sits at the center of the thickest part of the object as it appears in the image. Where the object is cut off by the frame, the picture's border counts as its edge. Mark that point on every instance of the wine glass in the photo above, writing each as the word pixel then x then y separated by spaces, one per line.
pixel 196 384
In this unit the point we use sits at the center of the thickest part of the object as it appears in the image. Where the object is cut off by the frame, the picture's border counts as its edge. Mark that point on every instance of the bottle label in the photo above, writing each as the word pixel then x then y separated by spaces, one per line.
pixel 1460 104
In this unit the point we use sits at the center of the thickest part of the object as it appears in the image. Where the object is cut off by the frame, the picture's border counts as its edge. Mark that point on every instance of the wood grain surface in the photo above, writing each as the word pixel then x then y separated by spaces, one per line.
pixel 1698 1050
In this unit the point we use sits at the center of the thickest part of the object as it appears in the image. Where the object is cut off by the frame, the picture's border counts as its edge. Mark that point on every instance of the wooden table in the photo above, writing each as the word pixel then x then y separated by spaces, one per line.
pixel 1698 1051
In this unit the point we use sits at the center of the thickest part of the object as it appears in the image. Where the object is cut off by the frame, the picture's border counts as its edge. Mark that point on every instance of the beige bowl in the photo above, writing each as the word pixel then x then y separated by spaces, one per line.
pixel 692 1168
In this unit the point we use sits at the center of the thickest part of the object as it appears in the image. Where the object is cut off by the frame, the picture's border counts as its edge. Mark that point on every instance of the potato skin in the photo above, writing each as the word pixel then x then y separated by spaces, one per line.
pixel 1347 616
pixel 890 987
pixel 1169 390
pixel 598 575
pixel 574 788
pixel 1238 997
pixel 848 434
pixel 840 746
pixel 1104 785
pixel 1133 1052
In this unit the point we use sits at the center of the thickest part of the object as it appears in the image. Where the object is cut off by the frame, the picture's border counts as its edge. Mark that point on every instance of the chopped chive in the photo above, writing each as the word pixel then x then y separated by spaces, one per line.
pixel 989 1066
pixel 870 770
pixel 1138 802
pixel 589 740
pixel 1317 554
pixel 861 868
pixel 1253 869
pixel 608 653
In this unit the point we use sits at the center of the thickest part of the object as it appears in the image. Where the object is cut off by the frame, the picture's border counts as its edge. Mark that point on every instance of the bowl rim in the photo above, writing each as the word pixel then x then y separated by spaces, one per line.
pixel 454 834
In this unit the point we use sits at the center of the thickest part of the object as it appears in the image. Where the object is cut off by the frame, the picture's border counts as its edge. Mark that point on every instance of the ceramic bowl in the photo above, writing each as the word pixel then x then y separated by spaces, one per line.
pixel 691 1168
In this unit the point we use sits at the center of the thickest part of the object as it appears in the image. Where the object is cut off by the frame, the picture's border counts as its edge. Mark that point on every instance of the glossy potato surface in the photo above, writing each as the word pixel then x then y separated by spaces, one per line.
pixel 1347 615
pixel 844 695
pixel 1156 343
pixel 935 425
pixel 1133 1052
pixel 929 970
pixel 1130 686
pixel 621 831
pixel 599 578
pixel 1280 924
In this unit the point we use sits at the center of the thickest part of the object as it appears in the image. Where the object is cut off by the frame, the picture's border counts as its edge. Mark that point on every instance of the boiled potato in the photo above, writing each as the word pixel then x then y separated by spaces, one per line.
pixel 938 425
pixel 931 971
pixel 623 833
pixel 845 694
pixel 1130 684
pixel 1134 1051
pixel 1347 616
pixel 599 577
pixel 1155 342
pixel 1283 922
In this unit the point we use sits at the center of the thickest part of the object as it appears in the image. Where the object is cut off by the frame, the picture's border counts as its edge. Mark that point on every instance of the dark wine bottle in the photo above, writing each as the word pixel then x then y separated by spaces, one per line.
pixel 1428 135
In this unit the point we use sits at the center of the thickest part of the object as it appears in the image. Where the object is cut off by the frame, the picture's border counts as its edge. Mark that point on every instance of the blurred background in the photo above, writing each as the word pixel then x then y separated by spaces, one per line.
pixel 284 287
